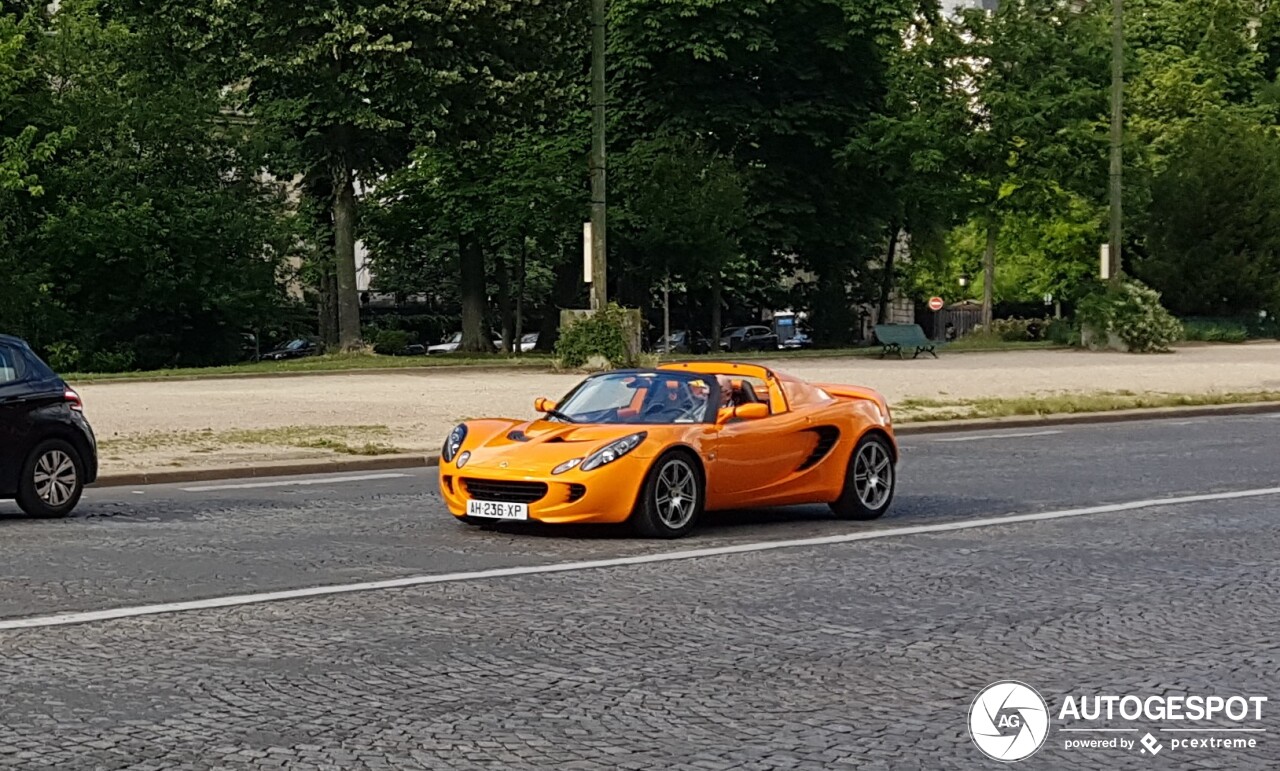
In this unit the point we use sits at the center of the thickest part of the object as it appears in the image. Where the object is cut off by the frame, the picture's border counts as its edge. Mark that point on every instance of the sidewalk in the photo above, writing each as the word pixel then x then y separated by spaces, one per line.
pixel 248 421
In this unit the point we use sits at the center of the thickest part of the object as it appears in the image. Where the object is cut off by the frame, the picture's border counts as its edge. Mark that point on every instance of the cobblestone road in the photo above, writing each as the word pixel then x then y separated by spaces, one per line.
pixel 859 655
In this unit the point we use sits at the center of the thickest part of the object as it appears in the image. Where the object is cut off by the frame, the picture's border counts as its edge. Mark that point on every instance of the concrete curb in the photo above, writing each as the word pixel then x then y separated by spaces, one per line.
pixel 298 468
pixel 393 462
pixel 1113 416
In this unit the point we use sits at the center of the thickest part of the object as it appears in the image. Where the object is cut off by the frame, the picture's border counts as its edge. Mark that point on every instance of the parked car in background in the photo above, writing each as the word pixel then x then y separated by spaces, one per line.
pixel 798 341
pixel 294 349
pixel 754 338
pixel 527 343
pixel 412 349
pixel 47 449
pixel 684 341
pixel 448 345
pixel 451 344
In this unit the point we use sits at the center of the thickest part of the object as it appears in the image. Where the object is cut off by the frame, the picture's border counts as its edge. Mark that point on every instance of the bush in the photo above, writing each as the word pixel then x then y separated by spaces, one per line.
pixel 1013 330
pixel 1061 332
pixel 602 334
pixel 1215 331
pixel 389 342
pixel 1132 312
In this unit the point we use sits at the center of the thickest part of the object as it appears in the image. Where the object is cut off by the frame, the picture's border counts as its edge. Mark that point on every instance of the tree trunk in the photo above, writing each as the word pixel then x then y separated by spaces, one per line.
pixel 504 300
pixel 328 299
pixel 989 275
pixel 717 300
pixel 344 242
pixel 320 190
pixel 886 281
pixel 471 285
pixel 522 271
pixel 565 294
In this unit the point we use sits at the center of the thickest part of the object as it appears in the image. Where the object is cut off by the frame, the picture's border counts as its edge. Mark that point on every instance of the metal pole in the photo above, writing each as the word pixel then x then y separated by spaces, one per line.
pixel 666 315
pixel 1117 135
pixel 599 243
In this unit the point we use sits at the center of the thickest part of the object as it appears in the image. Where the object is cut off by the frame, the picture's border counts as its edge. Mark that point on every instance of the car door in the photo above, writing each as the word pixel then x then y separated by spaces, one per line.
pixel 16 403
pixel 753 458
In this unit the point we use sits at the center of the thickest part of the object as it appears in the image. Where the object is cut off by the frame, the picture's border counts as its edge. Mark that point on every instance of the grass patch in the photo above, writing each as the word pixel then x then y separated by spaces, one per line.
pixel 916 410
pixel 330 363
pixel 342 440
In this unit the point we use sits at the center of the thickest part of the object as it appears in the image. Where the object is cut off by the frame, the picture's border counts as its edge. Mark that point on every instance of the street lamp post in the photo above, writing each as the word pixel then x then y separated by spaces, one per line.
pixel 599 242
pixel 1117 137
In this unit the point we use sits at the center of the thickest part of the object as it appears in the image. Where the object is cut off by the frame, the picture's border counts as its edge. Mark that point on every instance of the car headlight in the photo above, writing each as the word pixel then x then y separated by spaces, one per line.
pixel 612 451
pixel 566 466
pixel 454 443
pixel 463 458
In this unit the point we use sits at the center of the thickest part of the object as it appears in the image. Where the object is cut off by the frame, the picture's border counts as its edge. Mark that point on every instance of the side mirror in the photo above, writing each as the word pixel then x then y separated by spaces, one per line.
pixel 543 404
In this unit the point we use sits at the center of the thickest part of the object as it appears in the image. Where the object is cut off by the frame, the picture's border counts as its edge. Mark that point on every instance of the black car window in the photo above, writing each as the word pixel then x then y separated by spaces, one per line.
pixel 11 365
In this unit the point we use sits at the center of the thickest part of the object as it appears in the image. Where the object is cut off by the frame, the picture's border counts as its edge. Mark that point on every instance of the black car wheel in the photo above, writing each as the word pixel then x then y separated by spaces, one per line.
pixel 672 497
pixel 52 480
pixel 869 482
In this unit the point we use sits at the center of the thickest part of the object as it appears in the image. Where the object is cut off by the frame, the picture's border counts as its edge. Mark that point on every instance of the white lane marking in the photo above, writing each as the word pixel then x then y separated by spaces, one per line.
pixel 997 436
pixel 66 619
pixel 291 483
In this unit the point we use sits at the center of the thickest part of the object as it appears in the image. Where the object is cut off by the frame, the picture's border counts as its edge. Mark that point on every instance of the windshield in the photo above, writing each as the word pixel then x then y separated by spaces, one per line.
pixel 652 398
pixel 296 344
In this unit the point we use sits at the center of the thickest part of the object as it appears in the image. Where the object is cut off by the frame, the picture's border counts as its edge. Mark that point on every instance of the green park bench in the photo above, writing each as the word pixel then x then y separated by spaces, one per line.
pixel 896 338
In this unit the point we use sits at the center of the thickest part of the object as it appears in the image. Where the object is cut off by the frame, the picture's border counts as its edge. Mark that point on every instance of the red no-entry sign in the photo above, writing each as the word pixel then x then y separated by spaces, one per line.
pixel 936 303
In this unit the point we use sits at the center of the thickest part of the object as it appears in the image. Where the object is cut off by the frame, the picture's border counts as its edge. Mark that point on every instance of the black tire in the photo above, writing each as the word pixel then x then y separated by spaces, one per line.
pixel 51 498
pixel 675 467
pixel 873 500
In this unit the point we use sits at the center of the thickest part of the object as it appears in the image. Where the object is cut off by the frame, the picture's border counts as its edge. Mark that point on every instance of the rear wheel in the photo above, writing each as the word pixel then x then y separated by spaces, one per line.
pixel 672 498
pixel 869 482
pixel 52 480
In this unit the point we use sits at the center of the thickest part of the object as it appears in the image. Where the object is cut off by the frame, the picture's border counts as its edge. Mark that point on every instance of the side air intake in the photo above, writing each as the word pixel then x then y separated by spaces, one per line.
pixel 827 438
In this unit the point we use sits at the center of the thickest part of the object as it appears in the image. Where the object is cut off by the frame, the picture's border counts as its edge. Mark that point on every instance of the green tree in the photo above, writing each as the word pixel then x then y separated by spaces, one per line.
pixel 1039 144
pixel 151 244
pixel 1213 234
pixel 915 148
pixel 781 88
pixel 351 84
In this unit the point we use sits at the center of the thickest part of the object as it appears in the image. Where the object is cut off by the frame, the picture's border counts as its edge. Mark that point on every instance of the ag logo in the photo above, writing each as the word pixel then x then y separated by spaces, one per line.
pixel 1008 721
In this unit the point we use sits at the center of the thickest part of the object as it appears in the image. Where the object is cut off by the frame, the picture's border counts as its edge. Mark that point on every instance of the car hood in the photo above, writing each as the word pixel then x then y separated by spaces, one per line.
pixel 537 446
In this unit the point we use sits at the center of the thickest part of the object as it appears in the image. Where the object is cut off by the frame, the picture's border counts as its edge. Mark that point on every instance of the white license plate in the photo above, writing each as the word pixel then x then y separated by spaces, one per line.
pixel 498 510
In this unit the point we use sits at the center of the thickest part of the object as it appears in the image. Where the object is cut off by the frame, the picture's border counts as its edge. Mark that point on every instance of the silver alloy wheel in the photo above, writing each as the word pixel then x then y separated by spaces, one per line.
pixel 55 478
pixel 873 475
pixel 676 493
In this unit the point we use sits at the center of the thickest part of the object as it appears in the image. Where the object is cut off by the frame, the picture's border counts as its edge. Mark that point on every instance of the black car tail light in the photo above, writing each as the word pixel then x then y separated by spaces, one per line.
pixel 73 400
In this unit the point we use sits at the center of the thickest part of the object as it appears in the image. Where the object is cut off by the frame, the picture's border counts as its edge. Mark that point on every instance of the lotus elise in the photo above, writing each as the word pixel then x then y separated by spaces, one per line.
pixel 658 447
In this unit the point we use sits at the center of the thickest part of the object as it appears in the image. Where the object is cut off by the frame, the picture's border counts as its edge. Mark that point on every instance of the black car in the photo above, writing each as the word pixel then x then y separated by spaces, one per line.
pixel 749 339
pixel 294 349
pixel 47 449
pixel 683 341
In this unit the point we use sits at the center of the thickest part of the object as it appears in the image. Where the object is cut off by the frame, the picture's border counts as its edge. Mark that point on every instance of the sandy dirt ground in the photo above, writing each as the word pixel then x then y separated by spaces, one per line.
pixel 164 425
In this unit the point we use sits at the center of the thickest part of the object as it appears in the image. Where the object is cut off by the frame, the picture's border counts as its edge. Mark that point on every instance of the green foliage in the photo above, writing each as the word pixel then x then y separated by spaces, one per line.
pixel 602 334
pixel 1016 330
pixel 390 342
pixel 1214 331
pixel 149 246
pixel 1213 233
pixel 1132 312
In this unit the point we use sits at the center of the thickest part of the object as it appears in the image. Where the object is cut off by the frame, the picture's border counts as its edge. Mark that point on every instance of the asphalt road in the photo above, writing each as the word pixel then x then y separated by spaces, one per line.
pixel 839 653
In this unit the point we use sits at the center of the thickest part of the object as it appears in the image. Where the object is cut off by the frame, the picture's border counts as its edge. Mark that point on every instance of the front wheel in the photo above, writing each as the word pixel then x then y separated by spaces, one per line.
pixel 869 482
pixel 52 480
pixel 672 498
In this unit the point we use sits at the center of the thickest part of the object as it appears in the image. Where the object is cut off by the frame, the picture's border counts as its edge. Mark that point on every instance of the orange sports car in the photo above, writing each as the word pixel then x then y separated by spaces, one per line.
pixel 660 446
